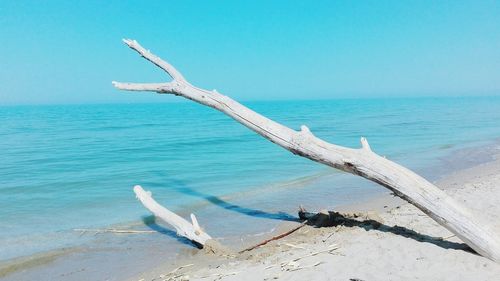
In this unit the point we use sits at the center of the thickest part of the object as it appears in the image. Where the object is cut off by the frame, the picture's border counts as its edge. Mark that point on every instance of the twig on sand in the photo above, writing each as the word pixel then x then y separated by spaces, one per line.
pixel 328 237
pixel 219 275
pixel 331 248
pixel 179 268
pixel 274 238
pixel 307 266
pixel 294 246
pixel 293 265
pixel 171 275
pixel 112 230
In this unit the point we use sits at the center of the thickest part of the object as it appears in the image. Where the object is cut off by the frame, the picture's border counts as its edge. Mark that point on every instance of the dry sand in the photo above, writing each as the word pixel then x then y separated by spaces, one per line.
pixel 391 240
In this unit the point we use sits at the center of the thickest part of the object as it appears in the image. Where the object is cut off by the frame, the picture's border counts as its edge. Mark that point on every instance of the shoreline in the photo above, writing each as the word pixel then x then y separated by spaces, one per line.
pixel 407 231
pixel 378 202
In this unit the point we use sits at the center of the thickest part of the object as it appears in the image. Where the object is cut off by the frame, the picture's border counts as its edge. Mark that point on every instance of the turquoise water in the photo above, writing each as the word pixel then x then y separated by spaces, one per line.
pixel 74 166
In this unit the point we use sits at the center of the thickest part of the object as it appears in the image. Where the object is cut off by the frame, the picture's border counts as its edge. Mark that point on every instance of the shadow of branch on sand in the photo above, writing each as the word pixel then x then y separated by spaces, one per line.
pixel 368 224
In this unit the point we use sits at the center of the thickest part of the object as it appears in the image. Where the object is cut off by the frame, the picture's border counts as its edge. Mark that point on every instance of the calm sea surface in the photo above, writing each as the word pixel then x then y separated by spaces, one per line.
pixel 74 166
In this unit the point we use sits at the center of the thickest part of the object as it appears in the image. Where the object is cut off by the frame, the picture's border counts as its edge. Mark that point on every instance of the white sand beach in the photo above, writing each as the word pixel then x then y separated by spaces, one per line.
pixel 407 245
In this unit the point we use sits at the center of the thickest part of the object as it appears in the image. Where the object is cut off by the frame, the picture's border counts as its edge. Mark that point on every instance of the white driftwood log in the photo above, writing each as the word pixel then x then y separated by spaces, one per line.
pixel 362 162
pixel 192 231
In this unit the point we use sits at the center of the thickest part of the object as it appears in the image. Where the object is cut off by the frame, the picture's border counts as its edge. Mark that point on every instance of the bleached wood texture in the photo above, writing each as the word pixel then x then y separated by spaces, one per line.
pixel 362 162
pixel 192 231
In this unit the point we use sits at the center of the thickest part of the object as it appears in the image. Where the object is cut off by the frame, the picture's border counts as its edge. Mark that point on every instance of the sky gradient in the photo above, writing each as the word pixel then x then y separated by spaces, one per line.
pixel 61 52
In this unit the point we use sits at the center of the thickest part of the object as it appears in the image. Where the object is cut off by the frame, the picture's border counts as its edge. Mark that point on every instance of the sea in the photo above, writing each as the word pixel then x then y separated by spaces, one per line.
pixel 70 167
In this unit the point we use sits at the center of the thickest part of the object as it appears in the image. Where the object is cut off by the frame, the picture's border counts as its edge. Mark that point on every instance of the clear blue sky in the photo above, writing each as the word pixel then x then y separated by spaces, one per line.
pixel 65 52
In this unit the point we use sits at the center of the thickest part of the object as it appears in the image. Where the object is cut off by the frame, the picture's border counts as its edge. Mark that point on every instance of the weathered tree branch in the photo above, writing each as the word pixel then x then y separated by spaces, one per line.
pixel 152 87
pixel 155 60
pixel 191 231
pixel 362 162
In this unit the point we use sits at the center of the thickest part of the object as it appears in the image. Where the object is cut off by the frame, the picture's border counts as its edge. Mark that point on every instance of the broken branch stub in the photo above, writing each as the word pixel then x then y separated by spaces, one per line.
pixel 362 162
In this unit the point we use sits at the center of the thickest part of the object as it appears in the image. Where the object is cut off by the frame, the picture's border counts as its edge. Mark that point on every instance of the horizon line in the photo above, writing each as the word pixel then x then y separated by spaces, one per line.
pixel 388 97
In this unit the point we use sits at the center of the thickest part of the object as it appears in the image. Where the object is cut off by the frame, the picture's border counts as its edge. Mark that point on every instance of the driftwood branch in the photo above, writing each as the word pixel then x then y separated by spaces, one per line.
pixel 362 162
pixel 192 231
pixel 169 69
pixel 153 87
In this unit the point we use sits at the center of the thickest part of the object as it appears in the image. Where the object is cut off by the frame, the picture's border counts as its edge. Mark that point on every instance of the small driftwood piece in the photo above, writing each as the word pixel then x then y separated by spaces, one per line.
pixel 192 231
pixel 362 162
